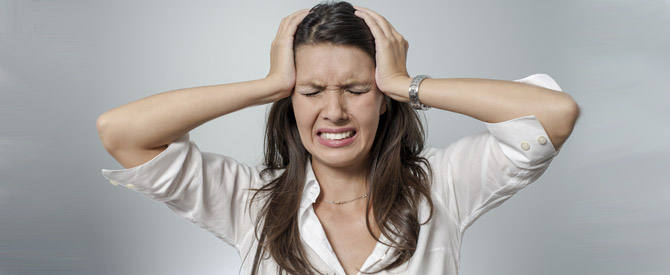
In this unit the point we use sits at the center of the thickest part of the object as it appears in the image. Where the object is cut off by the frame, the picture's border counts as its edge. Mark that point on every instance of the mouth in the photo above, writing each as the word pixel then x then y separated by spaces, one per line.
pixel 336 137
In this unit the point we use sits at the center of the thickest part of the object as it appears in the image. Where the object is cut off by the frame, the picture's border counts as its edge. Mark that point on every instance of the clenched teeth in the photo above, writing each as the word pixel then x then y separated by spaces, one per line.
pixel 335 136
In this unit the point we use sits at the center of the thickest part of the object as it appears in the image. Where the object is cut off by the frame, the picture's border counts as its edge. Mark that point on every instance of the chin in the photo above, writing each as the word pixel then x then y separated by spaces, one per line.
pixel 336 160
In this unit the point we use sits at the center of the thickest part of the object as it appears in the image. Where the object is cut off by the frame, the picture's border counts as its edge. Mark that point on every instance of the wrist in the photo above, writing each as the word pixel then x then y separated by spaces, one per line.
pixel 397 88
pixel 274 89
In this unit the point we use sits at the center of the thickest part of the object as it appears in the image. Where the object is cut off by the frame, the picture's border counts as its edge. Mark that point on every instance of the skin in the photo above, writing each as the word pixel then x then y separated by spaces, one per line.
pixel 138 131
pixel 487 100
pixel 335 89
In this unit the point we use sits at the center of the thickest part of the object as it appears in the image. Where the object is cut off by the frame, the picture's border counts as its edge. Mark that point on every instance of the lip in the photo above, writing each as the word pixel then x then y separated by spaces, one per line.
pixel 336 143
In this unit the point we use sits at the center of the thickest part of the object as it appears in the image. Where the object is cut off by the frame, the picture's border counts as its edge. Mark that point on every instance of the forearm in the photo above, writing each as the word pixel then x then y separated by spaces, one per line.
pixel 494 101
pixel 159 119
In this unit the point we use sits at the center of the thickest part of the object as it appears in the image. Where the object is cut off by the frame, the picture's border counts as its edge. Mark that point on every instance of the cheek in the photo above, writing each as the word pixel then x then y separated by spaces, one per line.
pixel 372 105
pixel 368 112
pixel 304 117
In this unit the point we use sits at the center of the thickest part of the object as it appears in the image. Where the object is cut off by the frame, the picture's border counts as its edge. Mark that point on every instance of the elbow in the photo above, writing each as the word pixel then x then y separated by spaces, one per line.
pixel 569 114
pixel 572 111
pixel 102 125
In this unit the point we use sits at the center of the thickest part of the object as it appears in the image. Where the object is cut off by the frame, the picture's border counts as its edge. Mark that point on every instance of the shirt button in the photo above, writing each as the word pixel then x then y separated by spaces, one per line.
pixel 113 182
pixel 542 140
pixel 130 186
pixel 525 145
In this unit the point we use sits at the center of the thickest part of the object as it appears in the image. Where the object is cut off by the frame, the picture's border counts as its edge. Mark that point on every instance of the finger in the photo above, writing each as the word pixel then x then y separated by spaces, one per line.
pixel 395 32
pixel 281 28
pixel 390 31
pixel 377 32
pixel 287 22
pixel 380 20
pixel 296 19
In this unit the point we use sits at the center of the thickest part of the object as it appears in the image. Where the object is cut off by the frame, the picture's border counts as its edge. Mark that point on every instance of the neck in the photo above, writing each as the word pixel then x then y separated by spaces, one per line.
pixel 341 184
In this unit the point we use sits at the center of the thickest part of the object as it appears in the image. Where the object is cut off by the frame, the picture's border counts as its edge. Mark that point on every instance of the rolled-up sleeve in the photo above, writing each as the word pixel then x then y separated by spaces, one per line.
pixel 523 141
pixel 481 171
pixel 207 189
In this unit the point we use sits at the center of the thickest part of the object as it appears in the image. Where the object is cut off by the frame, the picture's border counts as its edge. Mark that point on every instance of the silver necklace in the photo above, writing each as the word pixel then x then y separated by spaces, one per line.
pixel 343 202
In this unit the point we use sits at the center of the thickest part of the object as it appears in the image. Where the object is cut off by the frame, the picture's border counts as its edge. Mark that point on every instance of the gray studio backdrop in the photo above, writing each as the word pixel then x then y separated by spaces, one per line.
pixel 601 208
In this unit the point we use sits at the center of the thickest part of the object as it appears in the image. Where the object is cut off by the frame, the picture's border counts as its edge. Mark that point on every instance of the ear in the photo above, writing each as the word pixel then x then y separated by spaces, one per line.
pixel 385 104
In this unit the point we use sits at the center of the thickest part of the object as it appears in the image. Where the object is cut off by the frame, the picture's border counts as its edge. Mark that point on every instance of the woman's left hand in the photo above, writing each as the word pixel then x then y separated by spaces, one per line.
pixel 391 55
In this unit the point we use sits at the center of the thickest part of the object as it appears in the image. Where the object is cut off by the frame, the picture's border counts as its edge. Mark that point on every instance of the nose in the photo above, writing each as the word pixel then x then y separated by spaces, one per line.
pixel 334 107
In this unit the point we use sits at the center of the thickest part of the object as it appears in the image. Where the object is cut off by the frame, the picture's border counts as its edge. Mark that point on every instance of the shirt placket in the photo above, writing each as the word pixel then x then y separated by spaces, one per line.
pixel 312 232
pixel 378 255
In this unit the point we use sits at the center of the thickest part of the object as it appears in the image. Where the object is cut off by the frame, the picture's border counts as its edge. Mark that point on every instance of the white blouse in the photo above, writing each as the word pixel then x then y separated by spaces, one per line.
pixel 470 177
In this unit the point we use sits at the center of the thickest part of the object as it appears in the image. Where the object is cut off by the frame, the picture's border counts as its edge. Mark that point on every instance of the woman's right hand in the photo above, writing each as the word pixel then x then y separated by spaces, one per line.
pixel 282 65
pixel 138 131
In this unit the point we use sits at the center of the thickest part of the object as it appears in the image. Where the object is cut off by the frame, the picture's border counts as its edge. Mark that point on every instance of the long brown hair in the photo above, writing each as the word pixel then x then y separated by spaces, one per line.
pixel 400 177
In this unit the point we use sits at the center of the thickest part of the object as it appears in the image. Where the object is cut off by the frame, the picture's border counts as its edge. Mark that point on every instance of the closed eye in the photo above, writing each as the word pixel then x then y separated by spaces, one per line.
pixel 311 94
pixel 359 91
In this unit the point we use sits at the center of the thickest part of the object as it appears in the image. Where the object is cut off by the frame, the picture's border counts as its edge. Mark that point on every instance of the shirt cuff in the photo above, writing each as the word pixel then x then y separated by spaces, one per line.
pixel 524 141
pixel 149 175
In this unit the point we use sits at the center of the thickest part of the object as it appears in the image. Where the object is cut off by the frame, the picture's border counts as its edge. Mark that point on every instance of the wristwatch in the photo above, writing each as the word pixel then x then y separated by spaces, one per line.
pixel 414 93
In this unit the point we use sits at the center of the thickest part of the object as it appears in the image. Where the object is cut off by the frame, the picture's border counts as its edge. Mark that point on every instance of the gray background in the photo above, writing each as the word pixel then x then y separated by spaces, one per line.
pixel 602 207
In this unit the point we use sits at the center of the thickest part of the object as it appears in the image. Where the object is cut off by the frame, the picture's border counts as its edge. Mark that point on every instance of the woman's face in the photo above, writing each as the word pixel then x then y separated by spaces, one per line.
pixel 336 104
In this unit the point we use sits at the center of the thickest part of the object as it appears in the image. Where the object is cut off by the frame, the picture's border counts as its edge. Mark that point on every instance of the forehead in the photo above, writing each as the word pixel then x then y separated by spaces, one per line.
pixel 328 64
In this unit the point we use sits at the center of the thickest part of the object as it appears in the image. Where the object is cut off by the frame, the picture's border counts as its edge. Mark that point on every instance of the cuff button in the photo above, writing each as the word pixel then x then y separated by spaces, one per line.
pixel 130 186
pixel 542 140
pixel 525 145
pixel 113 182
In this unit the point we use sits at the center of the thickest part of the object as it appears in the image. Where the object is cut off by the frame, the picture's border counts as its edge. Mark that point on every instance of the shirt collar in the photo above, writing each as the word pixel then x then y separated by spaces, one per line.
pixel 311 189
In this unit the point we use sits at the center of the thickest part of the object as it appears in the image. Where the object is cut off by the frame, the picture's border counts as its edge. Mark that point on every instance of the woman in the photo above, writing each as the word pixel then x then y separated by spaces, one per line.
pixel 346 185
